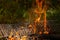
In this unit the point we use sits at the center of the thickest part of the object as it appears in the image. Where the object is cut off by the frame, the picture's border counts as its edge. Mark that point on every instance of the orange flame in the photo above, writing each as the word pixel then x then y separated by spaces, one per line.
pixel 41 9
pixel 37 20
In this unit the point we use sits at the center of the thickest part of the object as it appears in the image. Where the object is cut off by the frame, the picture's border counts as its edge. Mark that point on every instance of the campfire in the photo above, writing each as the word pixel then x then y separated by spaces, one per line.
pixel 32 28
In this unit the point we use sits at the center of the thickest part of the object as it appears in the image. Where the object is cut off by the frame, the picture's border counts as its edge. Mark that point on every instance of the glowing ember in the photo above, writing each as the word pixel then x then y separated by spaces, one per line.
pixel 20 34
pixel 24 38
pixel 40 32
